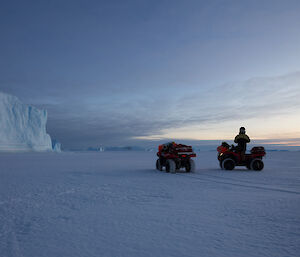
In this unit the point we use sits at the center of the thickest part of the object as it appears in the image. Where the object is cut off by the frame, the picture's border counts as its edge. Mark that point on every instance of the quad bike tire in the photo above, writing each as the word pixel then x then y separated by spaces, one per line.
pixel 158 165
pixel 170 166
pixel 190 166
pixel 257 164
pixel 228 164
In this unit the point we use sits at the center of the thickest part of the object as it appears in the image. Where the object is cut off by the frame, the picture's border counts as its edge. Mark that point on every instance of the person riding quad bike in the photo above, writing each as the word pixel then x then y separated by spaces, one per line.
pixel 241 140
pixel 231 156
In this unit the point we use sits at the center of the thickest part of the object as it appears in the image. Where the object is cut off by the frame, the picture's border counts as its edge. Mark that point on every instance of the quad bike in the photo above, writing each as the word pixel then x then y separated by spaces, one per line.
pixel 229 157
pixel 174 157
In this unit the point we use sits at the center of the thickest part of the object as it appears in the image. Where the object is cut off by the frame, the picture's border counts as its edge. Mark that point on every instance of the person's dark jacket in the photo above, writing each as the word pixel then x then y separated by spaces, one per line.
pixel 242 140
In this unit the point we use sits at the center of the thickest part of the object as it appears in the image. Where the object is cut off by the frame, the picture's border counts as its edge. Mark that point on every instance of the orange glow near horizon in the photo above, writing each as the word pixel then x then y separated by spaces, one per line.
pixel 286 143
pixel 280 134
pixel 280 130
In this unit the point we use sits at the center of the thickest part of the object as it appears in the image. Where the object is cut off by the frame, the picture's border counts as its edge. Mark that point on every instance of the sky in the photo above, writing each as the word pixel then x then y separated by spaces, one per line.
pixel 129 72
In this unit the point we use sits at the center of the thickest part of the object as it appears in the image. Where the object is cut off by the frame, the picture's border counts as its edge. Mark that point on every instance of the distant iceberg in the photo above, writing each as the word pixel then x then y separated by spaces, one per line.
pixel 22 127
pixel 56 146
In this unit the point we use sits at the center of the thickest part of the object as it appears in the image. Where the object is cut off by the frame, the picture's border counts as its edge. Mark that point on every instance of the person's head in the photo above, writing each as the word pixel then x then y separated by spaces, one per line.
pixel 242 130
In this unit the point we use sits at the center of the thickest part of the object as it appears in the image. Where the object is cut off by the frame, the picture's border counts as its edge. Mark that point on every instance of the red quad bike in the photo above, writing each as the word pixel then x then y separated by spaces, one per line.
pixel 229 157
pixel 174 157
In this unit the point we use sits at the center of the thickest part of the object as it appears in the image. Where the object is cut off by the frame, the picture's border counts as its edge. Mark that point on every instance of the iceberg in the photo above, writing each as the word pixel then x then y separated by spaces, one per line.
pixel 56 146
pixel 22 127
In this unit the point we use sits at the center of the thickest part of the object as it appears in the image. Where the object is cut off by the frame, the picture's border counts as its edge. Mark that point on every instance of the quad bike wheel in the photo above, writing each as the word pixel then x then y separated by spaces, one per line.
pixel 190 166
pixel 228 164
pixel 257 164
pixel 158 165
pixel 170 166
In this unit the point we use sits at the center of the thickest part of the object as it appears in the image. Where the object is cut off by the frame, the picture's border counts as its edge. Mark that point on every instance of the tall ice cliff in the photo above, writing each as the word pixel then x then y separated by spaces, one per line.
pixel 22 127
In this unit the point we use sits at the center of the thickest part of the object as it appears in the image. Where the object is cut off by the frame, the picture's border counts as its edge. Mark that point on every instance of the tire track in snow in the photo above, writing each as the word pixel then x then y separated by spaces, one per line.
pixel 233 179
pixel 238 184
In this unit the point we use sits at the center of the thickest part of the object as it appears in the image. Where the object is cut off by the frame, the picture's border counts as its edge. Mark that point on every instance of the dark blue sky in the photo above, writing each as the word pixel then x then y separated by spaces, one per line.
pixel 109 72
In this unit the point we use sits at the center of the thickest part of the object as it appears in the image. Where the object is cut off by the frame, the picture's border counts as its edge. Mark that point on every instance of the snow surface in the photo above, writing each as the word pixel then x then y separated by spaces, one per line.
pixel 22 127
pixel 116 204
